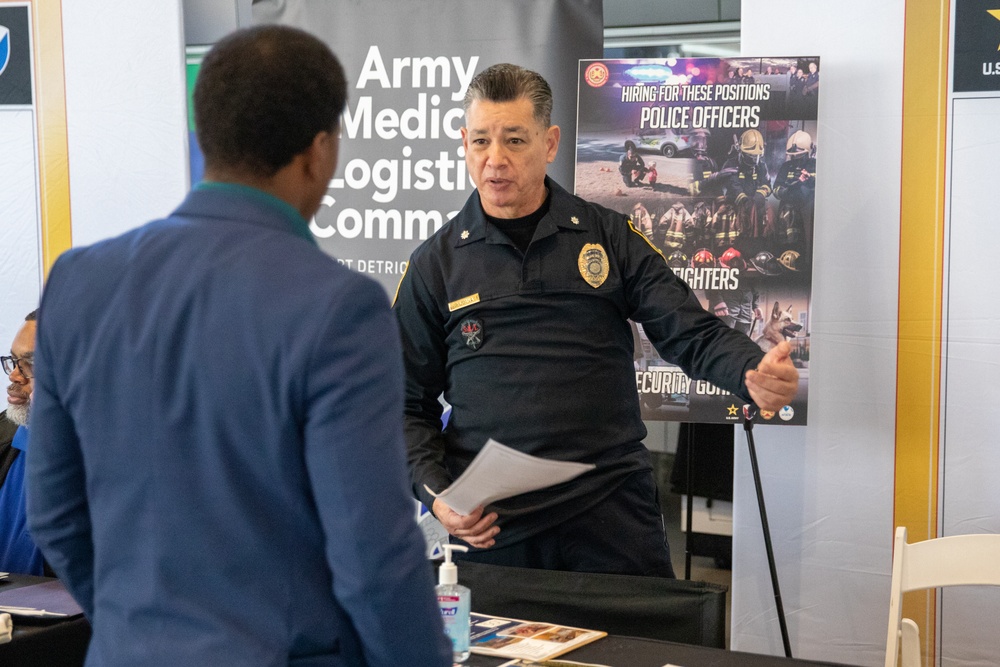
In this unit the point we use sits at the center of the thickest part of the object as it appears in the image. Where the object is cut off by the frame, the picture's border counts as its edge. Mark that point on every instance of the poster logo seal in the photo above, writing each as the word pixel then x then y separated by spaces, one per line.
pixel 596 75
pixel 4 47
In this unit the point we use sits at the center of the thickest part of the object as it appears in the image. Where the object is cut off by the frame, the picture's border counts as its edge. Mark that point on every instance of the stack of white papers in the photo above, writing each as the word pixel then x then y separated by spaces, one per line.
pixel 500 472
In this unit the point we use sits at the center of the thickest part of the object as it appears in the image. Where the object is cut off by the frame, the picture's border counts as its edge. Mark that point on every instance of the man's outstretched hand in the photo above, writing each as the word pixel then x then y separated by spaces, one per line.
pixel 775 382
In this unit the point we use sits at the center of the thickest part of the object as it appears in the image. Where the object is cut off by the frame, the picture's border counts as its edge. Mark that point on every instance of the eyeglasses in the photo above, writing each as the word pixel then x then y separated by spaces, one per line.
pixel 24 364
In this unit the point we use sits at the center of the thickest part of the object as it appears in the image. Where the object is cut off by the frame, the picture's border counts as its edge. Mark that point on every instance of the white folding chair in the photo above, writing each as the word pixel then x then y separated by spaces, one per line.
pixel 958 560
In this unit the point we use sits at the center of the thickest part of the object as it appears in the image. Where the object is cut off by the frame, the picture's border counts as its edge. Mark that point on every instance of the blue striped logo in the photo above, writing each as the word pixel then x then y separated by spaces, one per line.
pixel 4 48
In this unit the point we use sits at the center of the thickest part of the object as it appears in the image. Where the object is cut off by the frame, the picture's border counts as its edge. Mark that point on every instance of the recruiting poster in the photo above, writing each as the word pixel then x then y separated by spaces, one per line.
pixel 715 161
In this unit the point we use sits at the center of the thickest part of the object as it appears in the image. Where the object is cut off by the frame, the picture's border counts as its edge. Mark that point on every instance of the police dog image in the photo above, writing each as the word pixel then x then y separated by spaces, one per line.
pixel 780 327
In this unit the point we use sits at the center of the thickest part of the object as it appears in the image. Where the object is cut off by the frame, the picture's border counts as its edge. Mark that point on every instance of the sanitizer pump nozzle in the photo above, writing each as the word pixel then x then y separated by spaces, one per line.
pixel 448 572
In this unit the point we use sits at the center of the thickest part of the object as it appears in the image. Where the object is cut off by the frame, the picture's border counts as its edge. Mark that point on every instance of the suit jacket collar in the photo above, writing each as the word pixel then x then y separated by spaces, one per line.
pixel 241 203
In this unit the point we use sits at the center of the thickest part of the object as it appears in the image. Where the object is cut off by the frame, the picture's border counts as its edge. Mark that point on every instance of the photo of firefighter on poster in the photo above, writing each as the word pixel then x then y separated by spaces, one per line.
pixel 715 162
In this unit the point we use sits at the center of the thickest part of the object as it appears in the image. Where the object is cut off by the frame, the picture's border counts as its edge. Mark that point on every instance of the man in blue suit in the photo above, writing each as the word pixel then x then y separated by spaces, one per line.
pixel 217 464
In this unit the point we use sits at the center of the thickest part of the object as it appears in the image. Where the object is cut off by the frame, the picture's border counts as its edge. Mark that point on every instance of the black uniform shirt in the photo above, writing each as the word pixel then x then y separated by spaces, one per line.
pixel 528 352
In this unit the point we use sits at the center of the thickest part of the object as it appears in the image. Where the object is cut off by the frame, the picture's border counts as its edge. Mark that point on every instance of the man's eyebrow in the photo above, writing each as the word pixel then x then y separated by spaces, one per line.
pixel 507 130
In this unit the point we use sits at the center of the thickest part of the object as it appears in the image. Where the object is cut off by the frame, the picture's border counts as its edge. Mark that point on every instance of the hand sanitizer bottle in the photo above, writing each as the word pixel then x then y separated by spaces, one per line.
pixel 453 601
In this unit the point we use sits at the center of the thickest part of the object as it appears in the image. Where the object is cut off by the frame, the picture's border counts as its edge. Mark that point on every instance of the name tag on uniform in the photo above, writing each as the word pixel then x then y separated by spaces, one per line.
pixel 463 302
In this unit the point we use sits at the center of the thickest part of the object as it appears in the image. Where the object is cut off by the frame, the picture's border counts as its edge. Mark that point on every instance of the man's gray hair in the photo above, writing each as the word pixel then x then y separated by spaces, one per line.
pixel 507 83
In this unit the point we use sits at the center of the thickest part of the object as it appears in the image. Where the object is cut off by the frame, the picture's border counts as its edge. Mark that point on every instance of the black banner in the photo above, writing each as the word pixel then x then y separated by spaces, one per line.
pixel 976 65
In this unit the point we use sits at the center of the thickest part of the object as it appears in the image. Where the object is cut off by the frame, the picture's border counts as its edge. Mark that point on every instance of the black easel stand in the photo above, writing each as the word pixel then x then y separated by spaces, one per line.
pixel 689 533
pixel 749 412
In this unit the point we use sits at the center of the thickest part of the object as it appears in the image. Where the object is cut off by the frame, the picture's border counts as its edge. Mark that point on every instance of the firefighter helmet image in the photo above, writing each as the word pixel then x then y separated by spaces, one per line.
pixel 799 144
pixel 677 260
pixel 788 259
pixel 732 259
pixel 752 146
pixel 764 262
pixel 703 259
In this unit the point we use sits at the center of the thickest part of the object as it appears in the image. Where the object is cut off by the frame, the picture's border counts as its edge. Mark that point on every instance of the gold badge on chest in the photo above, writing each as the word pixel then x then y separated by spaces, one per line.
pixel 593 263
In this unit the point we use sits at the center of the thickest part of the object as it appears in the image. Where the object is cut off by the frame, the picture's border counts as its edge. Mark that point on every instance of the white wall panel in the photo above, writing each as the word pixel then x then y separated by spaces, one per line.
pixel 20 275
pixel 829 486
pixel 971 461
pixel 126 114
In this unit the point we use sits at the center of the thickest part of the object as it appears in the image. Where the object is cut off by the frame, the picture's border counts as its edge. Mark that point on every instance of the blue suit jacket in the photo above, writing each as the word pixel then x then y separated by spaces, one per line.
pixel 217 465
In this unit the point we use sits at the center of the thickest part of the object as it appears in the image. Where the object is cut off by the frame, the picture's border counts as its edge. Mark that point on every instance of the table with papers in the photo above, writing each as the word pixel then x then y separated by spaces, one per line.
pixel 49 640
pixel 616 651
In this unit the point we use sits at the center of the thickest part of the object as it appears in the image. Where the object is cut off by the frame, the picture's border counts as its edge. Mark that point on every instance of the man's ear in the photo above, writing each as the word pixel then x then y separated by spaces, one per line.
pixel 552 142
pixel 320 158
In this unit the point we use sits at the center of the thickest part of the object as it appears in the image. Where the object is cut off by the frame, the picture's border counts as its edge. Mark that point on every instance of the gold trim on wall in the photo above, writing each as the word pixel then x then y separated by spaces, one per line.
pixel 56 233
pixel 921 253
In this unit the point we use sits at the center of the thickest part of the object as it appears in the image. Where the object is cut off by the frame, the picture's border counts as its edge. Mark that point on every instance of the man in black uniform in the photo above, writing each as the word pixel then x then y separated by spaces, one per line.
pixel 809 89
pixel 796 81
pixel 631 165
pixel 517 311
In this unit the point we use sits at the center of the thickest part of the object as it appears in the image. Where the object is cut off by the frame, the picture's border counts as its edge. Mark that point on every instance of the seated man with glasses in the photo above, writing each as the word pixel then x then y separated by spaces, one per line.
pixel 18 552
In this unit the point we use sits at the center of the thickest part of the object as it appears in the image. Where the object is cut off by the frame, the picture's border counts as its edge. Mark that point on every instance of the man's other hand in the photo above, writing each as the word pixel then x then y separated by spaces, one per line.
pixel 473 528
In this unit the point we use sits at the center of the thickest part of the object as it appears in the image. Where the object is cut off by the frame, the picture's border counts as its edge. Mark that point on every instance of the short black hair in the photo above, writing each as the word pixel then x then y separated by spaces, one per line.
pixel 32 316
pixel 505 82
pixel 262 96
